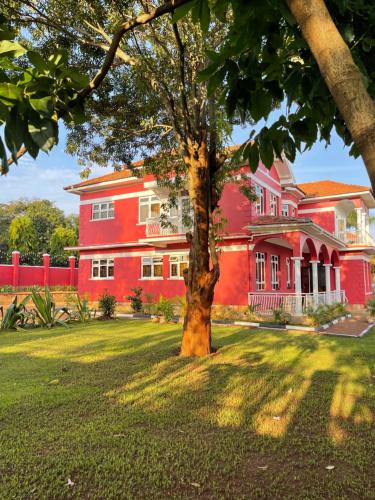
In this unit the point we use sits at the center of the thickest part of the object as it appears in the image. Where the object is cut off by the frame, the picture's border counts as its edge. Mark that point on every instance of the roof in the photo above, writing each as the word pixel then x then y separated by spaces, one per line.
pixel 265 220
pixel 330 188
pixel 113 176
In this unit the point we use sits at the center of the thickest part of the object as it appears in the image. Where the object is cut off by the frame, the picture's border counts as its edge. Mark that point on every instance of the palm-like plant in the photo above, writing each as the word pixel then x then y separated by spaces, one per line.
pixel 82 312
pixel 15 316
pixel 46 312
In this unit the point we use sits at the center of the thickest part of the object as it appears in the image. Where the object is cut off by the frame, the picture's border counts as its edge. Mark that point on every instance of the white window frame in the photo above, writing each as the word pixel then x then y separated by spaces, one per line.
pixel 153 262
pixel 273 204
pixel 177 260
pixel 285 209
pixel 107 265
pixel 260 270
pixel 288 273
pixel 148 201
pixel 104 209
pixel 259 204
pixel 275 267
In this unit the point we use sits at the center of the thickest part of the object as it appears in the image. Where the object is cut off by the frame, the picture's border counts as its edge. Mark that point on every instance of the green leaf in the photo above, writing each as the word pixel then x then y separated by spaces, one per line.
pixel 253 156
pixel 11 49
pixel 206 73
pixel 205 15
pixel 14 132
pixel 265 147
pixel 3 158
pixel 30 145
pixel 10 93
pixel 44 105
pixel 44 134
pixel 181 12
pixel 36 60
pixel 261 104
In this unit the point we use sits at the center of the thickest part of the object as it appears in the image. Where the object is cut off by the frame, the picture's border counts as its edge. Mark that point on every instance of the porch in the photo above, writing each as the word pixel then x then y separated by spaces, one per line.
pixel 293 303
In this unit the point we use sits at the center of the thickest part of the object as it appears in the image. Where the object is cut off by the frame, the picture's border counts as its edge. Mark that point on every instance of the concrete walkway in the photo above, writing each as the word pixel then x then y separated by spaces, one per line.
pixel 356 326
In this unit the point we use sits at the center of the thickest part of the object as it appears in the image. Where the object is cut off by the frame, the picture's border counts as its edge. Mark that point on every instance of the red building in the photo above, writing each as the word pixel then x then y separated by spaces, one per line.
pixel 295 247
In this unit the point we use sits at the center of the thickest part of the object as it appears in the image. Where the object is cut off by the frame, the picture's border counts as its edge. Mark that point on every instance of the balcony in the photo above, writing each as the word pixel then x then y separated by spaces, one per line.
pixel 266 303
pixel 357 238
pixel 173 230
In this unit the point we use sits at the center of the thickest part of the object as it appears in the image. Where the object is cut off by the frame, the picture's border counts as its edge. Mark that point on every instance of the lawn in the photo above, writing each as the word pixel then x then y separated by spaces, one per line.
pixel 112 409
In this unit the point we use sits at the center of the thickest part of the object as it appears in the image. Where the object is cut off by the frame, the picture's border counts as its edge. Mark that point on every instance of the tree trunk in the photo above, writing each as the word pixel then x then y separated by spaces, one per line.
pixel 200 280
pixel 340 74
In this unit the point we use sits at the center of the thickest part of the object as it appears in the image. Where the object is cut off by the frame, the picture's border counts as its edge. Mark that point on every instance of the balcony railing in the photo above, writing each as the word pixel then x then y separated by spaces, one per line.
pixel 266 303
pixel 356 237
pixel 174 225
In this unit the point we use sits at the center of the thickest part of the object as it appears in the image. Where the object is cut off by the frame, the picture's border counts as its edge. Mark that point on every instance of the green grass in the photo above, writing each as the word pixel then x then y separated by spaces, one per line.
pixel 111 407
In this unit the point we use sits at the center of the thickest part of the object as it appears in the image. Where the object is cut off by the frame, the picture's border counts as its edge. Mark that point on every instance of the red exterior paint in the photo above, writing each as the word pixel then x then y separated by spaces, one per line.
pixel 290 238
pixel 17 275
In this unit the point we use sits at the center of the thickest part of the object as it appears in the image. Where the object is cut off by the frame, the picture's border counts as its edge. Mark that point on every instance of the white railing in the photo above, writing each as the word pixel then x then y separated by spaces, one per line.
pixel 356 237
pixel 265 303
pixel 174 225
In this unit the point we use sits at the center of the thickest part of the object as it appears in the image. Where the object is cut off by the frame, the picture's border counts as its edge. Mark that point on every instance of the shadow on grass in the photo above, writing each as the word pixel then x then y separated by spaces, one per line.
pixel 293 403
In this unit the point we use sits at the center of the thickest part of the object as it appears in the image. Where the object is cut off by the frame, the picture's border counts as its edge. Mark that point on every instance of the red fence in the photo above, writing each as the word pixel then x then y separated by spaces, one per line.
pixel 16 275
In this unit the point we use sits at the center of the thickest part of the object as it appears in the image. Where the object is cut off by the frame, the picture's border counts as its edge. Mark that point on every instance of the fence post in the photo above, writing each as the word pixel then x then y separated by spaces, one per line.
pixel 46 263
pixel 16 267
pixel 72 267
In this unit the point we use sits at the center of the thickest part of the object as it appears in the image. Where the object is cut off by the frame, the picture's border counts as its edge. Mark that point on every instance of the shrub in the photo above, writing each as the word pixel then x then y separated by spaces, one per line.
pixel 164 308
pixel 107 304
pixel 82 310
pixel 136 299
pixel 371 307
pixel 15 315
pixel 282 317
pixel 148 305
pixel 46 313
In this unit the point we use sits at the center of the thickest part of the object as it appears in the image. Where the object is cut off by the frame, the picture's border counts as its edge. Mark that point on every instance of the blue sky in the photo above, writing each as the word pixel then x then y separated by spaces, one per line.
pixel 46 177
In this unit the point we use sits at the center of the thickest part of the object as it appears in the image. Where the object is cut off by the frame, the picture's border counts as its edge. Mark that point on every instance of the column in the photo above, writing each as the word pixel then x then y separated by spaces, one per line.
pixel 72 270
pixel 46 262
pixel 16 267
pixel 337 284
pixel 327 268
pixel 298 284
pixel 314 267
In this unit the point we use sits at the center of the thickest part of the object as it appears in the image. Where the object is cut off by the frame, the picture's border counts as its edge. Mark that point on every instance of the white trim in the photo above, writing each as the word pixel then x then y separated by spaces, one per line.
pixel 100 220
pixel 151 253
pixel 109 246
pixel 289 202
pixel 354 257
pixel 94 185
pixel 264 184
pixel 343 195
pixel 151 278
pixel 102 279
pixel 294 188
pixel 316 210
pixel 135 194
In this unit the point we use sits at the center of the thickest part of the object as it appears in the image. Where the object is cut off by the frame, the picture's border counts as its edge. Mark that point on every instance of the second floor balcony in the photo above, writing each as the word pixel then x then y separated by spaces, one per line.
pixel 172 225
pixel 356 237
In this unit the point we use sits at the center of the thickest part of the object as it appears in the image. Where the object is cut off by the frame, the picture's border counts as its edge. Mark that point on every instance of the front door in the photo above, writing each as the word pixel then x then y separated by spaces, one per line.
pixel 305 280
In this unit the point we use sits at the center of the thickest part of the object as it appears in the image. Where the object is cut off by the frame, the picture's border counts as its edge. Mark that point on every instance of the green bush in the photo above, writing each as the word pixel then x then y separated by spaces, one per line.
pixel 371 307
pixel 148 305
pixel 15 316
pixel 324 314
pixel 164 308
pixel 46 313
pixel 107 304
pixel 136 299
pixel 82 310
pixel 282 317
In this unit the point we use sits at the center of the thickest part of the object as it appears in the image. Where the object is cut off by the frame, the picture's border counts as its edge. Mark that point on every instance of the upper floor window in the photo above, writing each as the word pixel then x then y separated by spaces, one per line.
pixel 285 210
pixel 273 204
pixel 177 264
pixel 259 204
pixel 152 267
pixel 275 272
pixel 260 270
pixel 149 207
pixel 102 269
pixel 105 210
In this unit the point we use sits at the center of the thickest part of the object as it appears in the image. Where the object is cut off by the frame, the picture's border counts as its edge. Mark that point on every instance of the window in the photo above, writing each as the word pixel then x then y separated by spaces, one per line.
pixel 259 204
pixel 285 210
pixel 177 265
pixel 149 207
pixel 152 267
pixel 103 210
pixel 288 277
pixel 275 272
pixel 273 204
pixel 260 278
pixel 102 269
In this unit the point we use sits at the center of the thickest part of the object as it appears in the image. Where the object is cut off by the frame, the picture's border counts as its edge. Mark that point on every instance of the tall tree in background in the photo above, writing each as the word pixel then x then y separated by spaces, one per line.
pixel 152 101
pixel 22 235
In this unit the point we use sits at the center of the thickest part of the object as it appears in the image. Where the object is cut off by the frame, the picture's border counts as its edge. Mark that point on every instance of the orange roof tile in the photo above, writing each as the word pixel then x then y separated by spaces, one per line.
pixel 114 176
pixel 329 188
